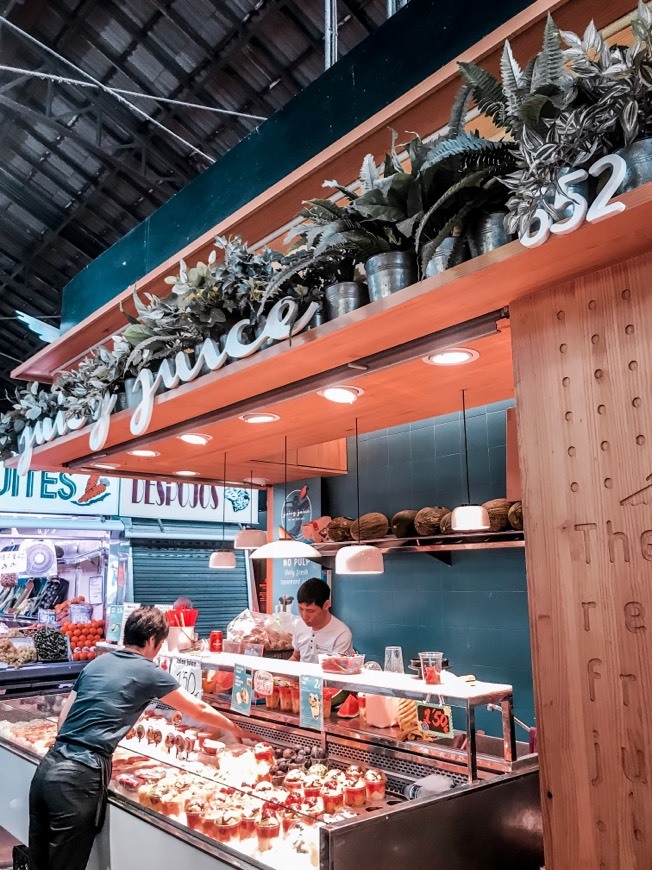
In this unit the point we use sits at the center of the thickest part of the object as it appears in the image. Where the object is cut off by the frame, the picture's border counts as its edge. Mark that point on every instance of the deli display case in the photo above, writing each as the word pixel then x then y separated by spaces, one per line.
pixel 341 797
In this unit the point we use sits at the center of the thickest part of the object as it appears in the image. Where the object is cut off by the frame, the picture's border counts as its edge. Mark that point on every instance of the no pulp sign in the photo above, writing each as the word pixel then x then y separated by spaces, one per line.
pixel 187 501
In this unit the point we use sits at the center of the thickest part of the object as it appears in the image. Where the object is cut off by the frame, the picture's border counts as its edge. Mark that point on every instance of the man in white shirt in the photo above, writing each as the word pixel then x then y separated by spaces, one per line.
pixel 318 631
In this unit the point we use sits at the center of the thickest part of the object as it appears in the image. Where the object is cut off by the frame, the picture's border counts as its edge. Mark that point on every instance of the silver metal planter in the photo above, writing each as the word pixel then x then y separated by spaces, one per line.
pixel 638 157
pixel 121 404
pixel 387 273
pixel 133 399
pixel 489 233
pixel 319 317
pixel 344 297
pixel 441 258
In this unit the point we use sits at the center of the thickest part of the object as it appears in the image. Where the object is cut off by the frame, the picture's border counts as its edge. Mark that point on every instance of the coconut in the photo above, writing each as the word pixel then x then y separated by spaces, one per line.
pixel 515 515
pixel 369 526
pixel 403 524
pixel 339 529
pixel 427 520
pixel 445 524
pixel 498 510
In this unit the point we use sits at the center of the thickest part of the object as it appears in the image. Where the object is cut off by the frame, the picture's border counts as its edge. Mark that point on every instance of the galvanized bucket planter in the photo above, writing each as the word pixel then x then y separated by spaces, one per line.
pixel 489 233
pixel 121 404
pixel 441 258
pixel 638 157
pixel 319 317
pixel 344 297
pixel 133 398
pixel 387 273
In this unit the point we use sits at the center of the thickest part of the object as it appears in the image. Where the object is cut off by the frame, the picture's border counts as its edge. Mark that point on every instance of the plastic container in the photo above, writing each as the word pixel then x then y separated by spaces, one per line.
pixel 333 664
pixel 285 696
pixel 431 667
pixel 380 711
pixel 179 618
pixel 296 698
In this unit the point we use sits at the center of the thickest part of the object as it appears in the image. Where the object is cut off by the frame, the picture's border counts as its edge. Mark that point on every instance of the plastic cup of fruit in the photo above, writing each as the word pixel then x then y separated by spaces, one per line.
pixel 294 783
pixel 296 699
pixel 332 664
pixel 312 789
pixel 272 701
pixel 285 697
pixel 226 831
pixel 355 793
pixel 267 831
pixel 431 665
pixel 333 798
pixel 195 819
pixel 264 752
pixel 289 820
pixel 375 784
pixel 247 826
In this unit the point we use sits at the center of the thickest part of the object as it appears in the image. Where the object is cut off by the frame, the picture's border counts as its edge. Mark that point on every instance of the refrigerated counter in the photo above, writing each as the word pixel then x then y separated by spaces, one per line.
pixel 492 822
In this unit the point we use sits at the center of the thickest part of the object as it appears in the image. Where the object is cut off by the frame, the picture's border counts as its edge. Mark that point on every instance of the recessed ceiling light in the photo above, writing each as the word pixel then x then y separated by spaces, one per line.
pixel 341 395
pixel 195 438
pixel 106 465
pixel 146 454
pixel 187 473
pixel 263 417
pixel 454 356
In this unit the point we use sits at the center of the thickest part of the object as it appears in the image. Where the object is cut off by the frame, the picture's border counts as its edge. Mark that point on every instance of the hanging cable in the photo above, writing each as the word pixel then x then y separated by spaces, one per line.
pixel 80 84
pixel 104 87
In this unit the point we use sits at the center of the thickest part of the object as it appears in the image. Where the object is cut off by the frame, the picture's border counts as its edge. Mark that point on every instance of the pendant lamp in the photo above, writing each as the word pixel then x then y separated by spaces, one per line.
pixel 469 517
pixel 359 558
pixel 285 547
pixel 250 539
pixel 223 559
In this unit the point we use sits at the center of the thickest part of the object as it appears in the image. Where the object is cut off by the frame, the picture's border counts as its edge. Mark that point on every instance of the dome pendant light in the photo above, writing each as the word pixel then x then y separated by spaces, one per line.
pixel 223 559
pixel 250 539
pixel 286 547
pixel 469 517
pixel 359 558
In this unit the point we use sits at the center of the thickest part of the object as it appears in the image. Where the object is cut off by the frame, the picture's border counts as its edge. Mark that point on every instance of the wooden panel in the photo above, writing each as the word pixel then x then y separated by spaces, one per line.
pixel 583 368
pixel 513 490
pixel 399 394
pixel 425 108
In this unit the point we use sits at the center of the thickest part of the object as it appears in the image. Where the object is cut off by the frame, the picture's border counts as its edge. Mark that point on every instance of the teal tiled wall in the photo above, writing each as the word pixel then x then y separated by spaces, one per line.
pixel 476 609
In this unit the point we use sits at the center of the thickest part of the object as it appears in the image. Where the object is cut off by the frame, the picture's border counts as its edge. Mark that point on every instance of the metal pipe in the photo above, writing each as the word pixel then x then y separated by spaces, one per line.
pixel 394 5
pixel 330 33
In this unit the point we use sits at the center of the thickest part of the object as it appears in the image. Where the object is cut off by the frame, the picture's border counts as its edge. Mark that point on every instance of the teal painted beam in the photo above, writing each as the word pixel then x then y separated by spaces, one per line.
pixel 420 39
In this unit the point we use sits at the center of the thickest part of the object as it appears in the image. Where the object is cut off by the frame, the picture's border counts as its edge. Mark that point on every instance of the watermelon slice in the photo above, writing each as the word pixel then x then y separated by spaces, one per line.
pixel 350 708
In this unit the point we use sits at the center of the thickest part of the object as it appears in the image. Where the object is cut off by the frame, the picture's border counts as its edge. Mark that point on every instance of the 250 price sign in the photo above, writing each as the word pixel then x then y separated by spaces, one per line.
pixel 435 719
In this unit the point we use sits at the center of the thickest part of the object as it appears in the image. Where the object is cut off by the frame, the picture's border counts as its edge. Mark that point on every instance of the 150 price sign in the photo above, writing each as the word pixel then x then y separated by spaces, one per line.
pixel 435 719
pixel 188 673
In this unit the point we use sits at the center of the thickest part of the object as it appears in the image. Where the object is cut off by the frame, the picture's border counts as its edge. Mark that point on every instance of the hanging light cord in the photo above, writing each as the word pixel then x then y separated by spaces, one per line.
pixel 224 504
pixel 357 476
pixel 466 451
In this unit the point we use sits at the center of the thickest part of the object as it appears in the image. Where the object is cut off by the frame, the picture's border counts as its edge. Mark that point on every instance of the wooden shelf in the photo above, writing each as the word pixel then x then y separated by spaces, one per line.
pixel 439 546
pixel 283 378
pixel 424 108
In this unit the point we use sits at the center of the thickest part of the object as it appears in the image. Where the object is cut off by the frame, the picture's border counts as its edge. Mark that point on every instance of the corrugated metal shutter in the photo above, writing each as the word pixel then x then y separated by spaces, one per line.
pixel 163 571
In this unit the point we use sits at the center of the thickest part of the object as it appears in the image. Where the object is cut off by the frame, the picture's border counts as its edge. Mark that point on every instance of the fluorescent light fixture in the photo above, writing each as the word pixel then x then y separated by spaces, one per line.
pixel 341 395
pixel 453 356
pixel 186 473
pixel 262 417
pixel 195 438
pixel 470 518
pixel 222 560
pixel 250 539
pixel 286 549
pixel 106 465
pixel 145 454
pixel 359 559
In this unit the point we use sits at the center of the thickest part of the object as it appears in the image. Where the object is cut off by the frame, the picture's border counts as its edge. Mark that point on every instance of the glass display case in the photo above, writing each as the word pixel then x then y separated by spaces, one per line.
pixel 293 798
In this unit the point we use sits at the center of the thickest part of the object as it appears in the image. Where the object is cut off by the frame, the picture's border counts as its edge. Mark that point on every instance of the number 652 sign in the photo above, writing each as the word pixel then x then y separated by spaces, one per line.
pixel 188 673
pixel 542 224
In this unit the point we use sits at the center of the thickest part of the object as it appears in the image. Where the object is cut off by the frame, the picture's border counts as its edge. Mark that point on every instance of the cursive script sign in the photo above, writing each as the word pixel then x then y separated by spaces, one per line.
pixel 280 324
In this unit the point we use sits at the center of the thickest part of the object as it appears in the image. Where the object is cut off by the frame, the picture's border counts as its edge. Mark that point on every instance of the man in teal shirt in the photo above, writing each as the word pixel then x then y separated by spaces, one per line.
pixel 67 797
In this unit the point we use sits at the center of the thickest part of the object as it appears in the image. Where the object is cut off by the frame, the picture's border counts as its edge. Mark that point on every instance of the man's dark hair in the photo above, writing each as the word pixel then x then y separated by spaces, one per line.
pixel 144 623
pixel 314 591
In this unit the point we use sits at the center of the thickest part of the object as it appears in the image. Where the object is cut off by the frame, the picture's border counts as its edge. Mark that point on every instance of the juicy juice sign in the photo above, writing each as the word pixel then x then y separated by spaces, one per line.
pixel 187 501
pixel 282 321
pixel 43 492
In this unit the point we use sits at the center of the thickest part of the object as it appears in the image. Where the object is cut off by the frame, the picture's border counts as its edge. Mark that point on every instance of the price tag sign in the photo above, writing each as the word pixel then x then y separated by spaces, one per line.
pixel 113 623
pixel 47 617
pixel 435 720
pixel 263 684
pixel 242 688
pixel 188 673
pixel 311 694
